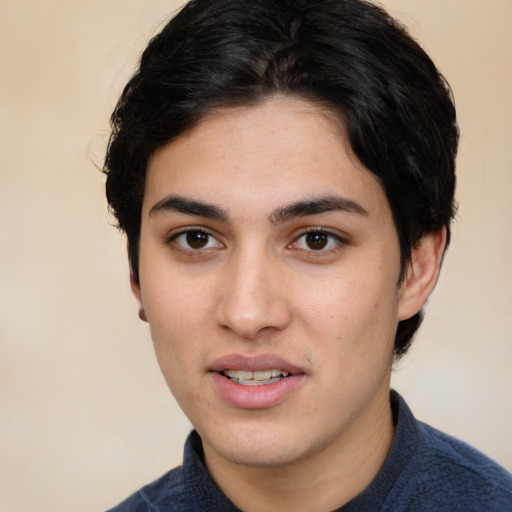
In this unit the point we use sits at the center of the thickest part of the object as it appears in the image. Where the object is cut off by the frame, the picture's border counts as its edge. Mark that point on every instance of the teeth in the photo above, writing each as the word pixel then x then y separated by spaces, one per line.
pixel 260 375
pixel 239 374
pixel 265 375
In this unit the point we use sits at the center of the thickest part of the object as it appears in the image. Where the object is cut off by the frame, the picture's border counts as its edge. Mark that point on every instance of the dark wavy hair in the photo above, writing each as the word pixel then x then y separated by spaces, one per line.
pixel 347 55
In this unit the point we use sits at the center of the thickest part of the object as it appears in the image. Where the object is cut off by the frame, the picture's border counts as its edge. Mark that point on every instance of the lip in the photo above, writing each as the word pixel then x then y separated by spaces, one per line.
pixel 253 363
pixel 258 396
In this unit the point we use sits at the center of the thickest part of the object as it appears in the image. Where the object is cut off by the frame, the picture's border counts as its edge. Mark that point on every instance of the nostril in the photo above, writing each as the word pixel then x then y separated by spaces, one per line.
pixel 250 321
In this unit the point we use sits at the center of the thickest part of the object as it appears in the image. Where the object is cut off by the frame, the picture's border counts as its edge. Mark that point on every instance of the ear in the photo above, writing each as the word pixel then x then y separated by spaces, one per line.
pixel 135 286
pixel 421 273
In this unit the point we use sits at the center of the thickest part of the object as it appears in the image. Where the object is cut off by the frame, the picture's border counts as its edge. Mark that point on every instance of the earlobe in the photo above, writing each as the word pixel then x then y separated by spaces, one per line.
pixel 135 286
pixel 422 273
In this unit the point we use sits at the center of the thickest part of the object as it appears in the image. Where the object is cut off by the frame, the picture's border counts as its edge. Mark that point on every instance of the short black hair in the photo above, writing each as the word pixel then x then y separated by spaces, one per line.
pixel 347 55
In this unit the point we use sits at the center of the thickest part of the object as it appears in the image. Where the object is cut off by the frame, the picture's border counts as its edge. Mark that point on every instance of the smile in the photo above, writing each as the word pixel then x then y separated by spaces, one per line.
pixel 256 378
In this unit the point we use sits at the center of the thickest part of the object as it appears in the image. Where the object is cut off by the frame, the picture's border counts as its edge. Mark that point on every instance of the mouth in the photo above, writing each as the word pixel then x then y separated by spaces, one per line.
pixel 255 381
pixel 255 378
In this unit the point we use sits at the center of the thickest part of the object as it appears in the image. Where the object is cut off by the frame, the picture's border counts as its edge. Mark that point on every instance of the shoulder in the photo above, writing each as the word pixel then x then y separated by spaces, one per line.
pixel 440 472
pixel 456 459
pixel 448 474
pixel 166 493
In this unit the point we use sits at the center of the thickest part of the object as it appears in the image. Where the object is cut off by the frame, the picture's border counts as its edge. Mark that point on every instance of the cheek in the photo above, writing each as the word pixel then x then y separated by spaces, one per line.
pixel 176 305
pixel 174 317
pixel 351 309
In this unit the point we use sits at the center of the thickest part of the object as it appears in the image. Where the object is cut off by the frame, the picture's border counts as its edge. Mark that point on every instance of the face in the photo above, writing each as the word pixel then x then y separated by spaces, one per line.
pixel 269 265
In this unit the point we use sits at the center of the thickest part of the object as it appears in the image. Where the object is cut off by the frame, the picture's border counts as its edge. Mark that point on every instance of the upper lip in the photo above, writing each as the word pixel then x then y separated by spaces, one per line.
pixel 253 363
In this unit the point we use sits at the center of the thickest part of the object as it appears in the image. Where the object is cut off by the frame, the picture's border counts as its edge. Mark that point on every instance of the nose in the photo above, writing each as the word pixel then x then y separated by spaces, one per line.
pixel 253 297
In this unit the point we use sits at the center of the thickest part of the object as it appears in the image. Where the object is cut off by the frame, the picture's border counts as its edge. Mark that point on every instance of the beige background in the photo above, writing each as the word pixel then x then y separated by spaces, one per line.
pixel 85 416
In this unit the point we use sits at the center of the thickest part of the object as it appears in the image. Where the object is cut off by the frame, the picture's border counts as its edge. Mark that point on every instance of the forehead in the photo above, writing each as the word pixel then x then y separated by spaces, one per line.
pixel 280 150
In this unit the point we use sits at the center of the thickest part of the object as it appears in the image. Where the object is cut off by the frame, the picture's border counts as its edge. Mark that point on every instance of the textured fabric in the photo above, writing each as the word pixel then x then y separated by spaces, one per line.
pixel 425 471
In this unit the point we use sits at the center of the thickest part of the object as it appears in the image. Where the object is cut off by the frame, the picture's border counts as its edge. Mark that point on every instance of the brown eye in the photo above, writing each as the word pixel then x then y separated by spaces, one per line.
pixel 196 239
pixel 317 241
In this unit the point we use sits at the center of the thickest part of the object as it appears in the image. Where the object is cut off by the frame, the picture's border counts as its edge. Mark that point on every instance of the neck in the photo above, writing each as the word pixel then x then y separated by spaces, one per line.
pixel 324 481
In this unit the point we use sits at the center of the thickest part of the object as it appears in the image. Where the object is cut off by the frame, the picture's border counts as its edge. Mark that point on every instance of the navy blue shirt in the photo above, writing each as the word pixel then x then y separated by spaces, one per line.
pixel 425 471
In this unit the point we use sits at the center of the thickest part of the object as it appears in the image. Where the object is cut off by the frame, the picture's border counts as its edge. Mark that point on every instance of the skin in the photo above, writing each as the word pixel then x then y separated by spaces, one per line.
pixel 242 277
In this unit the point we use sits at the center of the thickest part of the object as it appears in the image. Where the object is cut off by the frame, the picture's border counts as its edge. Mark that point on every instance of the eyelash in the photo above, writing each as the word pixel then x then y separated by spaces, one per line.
pixel 327 236
pixel 173 239
pixel 332 237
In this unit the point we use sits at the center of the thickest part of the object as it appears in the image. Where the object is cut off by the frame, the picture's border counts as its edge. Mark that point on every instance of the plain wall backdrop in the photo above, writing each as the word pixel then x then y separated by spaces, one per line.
pixel 85 416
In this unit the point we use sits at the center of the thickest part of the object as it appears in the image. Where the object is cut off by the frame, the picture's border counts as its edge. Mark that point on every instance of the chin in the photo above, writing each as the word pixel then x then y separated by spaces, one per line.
pixel 258 456
pixel 260 447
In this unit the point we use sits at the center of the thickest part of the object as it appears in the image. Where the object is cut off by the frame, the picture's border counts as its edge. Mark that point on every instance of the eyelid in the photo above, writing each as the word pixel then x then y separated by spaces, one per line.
pixel 338 237
pixel 171 238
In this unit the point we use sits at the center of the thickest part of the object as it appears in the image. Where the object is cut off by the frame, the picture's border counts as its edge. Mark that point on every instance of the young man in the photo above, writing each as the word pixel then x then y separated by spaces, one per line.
pixel 284 172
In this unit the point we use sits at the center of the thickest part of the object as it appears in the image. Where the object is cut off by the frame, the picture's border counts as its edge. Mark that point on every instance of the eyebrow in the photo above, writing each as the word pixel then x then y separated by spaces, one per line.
pixel 189 207
pixel 302 208
pixel 316 206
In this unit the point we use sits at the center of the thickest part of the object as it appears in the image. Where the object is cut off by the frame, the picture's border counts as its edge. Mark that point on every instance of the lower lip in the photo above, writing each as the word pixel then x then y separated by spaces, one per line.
pixel 255 397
